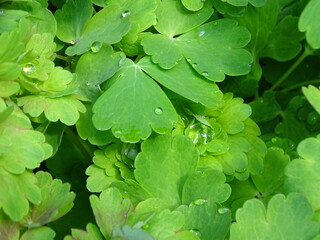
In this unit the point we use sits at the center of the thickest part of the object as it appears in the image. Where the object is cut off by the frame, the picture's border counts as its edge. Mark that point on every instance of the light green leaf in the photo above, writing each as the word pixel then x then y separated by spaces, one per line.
pixel 42 233
pixel 284 218
pixel 313 95
pixel 130 233
pixel 107 26
pixel 208 186
pixel 165 155
pixel 183 80
pixel 72 18
pixel 240 3
pixel 206 220
pixel 110 210
pixel 272 179
pixel 215 49
pixel 9 19
pixel 193 5
pixel 8 88
pixel 16 192
pixel 8 229
pixel 9 71
pixel 93 68
pixel 66 109
pixel 133 106
pixel 11 46
pixel 303 173
pixel 91 233
pixel 174 19
pixel 309 22
pixel 57 200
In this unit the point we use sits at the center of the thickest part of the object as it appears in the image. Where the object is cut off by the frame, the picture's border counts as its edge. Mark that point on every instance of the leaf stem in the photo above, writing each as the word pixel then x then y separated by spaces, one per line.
pixel 291 69
pixel 301 85
pixel 87 155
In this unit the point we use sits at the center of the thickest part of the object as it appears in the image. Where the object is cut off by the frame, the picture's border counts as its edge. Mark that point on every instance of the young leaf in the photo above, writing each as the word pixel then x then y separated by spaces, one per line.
pixel 239 3
pixel 193 5
pixel 8 229
pixel 285 218
pixel 313 95
pixel 127 232
pixel 165 155
pixel 39 234
pixel 309 23
pixel 91 233
pixel 72 18
pixel 133 106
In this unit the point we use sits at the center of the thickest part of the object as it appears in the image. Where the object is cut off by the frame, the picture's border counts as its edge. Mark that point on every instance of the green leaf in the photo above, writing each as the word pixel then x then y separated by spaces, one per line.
pixel 9 19
pixel 107 26
pixel 303 173
pixel 183 80
pixel 16 192
pixel 66 109
pixel 93 68
pixel 130 233
pixel 284 218
pixel 208 186
pixel 313 95
pixel 206 220
pixel 165 155
pixel 239 3
pixel 11 46
pixel 174 19
pixel 56 201
pixel 193 5
pixel 110 210
pixel 39 234
pixel 8 229
pixel 309 22
pixel 272 179
pixel 72 18
pixel 92 233
pixel 133 106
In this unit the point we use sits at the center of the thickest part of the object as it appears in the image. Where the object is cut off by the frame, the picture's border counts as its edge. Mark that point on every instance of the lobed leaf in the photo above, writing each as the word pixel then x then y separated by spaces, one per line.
pixel 313 95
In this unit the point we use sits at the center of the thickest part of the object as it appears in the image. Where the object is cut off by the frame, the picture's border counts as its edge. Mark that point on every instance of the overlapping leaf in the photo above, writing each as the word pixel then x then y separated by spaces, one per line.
pixel 91 233
pixel 313 95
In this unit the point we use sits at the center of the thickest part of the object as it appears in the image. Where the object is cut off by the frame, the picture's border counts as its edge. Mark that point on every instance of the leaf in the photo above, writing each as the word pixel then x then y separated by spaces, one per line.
pixel 8 229
pixel 107 26
pixel 133 106
pixel 93 68
pixel 56 201
pixel 193 5
pixel 92 233
pixel 16 192
pixel 239 3
pixel 183 80
pixel 174 19
pixel 309 23
pixel 208 186
pixel 313 95
pixel 39 234
pixel 206 221
pixel 110 210
pixel 284 218
pixel 130 233
pixel 11 46
pixel 72 18
pixel 66 109
pixel 302 173
pixel 272 179
pixel 165 155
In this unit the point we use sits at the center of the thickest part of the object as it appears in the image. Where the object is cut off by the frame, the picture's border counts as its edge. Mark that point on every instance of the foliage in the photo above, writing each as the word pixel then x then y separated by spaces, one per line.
pixel 159 119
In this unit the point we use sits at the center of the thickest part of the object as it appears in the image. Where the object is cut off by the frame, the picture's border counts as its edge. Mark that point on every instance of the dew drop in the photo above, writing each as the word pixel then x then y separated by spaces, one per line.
pixel 98 86
pixel 313 118
pixel 117 133
pixel 158 111
pixel 200 201
pixel 96 46
pixel 72 42
pixel 223 210
pixel 131 151
pixel 125 14
pixel 215 23
pixel 201 33
pixel 203 1
pixel 87 84
pixel 1 11
pixel 121 62
pixel 194 65
pixel 196 232
pixel 188 59
pixel 206 74
pixel 29 68
pixel 200 133
pixel 249 65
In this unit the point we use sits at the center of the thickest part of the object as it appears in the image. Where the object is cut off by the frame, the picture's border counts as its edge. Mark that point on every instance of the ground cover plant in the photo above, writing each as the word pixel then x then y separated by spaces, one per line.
pixel 159 119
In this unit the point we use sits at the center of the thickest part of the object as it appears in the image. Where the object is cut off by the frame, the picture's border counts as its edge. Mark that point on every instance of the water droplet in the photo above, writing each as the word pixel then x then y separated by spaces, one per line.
pixel 87 84
pixel 200 201
pixel 201 33
pixel 196 232
pixel 223 210
pixel 215 23
pixel 194 65
pixel 200 133
pixel 125 192
pixel 249 65
pixel 146 226
pixel 188 59
pixel 203 0
pixel 158 111
pixel 121 62
pixel 29 68
pixel 206 74
pixel 274 140
pixel 313 118
pixel 1 11
pixel 131 151
pixel 117 133
pixel 125 14
pixel 96 46
pixel 98 86
pixel 72 42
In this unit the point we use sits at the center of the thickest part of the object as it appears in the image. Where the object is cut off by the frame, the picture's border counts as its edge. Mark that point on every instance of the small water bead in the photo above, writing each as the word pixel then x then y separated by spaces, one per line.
pixel 1 11
pixel 223 210
pixel 194 65
pixel 188 59
pixel 201 33
pixel 200 201
pixel 206 74
pixel 98 86
pixel 196 232
pixel 125 14
pixel 87 84
pixel 313 118
pixel 158 111
pixel 29 68
pixel 122 61
pixel 96 46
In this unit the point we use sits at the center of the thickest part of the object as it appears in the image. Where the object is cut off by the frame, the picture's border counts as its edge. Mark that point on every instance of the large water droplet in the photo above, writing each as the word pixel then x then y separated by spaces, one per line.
pixel 206 74
pixel 200 133
pixel 223 210
pixel 29 68
pixel 1 11
pixel 158 111
pixel 121 62
pixel 196 232
pixel 201 33
pixel 96 46
pixel 200 201
pixel 125 14
pixel 130 151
